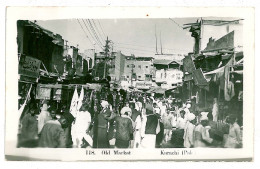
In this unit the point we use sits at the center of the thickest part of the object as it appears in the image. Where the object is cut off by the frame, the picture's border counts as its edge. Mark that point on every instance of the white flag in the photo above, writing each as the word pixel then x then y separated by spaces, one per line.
pixel 74 103
pixel 80 100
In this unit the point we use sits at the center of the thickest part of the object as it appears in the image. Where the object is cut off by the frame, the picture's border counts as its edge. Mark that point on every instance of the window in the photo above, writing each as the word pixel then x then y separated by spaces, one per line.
pixel 127 76
pixel 146 66
pixel 139 76
pixel 134 76
pixel 127 66
pixel 147 77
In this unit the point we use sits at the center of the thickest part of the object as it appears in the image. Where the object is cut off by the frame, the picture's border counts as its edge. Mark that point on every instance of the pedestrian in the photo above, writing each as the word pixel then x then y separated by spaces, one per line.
pixel 189 131
pixel 215 109
pixel 124 128
pixel 156 109
pixel 177 135
pixel 160 135
pixel 103 118
pixel 167 120
pixel 136 118
pixel 82 124
pixel 234 136
pixel 150 127
pixel 163 108
pixel 53 132
pixel 44 116
pixel 201 132
pixel 29 129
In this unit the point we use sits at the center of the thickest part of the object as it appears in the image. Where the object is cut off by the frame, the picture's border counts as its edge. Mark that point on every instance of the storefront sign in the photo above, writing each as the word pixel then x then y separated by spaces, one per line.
pixel 43 93
pixel 29 66
pixel 143 85
pixel 93 86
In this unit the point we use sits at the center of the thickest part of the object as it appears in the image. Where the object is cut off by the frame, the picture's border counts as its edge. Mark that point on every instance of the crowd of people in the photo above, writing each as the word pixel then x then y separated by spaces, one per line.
pixel 120 119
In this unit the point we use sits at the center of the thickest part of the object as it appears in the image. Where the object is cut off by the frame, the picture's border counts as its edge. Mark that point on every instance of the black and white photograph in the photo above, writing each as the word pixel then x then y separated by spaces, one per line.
pixel 110 86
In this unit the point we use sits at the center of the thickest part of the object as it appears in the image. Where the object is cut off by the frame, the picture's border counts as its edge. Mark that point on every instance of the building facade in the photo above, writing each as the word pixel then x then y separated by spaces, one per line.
pixel 138 68
pixel 168 73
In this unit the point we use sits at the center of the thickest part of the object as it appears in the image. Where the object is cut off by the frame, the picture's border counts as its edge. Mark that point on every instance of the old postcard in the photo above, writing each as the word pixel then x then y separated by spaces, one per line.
pixel 129 84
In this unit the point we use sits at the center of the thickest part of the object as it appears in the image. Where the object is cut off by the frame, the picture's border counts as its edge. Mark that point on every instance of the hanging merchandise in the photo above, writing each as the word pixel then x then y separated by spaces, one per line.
pixel 240 96
pixel 57 94
pixel 229 90
pixel 197 97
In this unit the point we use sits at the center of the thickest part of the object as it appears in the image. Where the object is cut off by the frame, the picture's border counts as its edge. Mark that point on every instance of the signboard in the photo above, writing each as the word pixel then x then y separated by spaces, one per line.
pixel 43 93
pixel 29 66
pixel 143 85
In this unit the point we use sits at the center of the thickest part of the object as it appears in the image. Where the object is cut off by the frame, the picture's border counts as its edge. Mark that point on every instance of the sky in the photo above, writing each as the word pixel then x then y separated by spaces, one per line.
pixel 130 36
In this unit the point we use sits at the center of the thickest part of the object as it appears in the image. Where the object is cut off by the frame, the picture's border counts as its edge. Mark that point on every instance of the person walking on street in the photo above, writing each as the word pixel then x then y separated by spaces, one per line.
pixel 124 128
pixel 53 135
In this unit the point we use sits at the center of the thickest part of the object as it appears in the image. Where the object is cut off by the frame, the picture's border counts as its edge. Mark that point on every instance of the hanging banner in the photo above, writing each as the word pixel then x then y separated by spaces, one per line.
pixel 229 91
pixel 188 64
pixel 199 78
pixel 29 66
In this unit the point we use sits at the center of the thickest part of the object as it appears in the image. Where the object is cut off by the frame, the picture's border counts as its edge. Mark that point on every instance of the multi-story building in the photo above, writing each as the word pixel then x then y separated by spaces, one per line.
pixel 138 68
pixel 168 73
pixel 119 66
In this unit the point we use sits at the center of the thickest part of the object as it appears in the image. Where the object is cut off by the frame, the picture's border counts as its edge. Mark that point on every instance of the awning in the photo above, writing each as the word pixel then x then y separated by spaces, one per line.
pixel 221 69
pixel 199 78
pixel 240 72
pixel 188 77
pixel 157 90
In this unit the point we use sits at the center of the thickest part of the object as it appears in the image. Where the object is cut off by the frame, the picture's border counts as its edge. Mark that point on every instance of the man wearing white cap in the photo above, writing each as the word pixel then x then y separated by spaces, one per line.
pixel 43 117
pixel 124 128
pixel 201 132
pixel 136 118
pixel 103 117
pixel 189 130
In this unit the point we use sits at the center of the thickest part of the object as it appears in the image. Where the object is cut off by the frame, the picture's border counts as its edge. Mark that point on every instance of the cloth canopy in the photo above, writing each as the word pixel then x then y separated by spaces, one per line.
pixel 199 78
pixel 158 90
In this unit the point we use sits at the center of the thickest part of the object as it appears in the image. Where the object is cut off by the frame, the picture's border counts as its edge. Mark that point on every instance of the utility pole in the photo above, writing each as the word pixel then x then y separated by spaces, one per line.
pixel 66 44
pixel 106 50
pixel 156 41
pixel 161 43
pixel 132 72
